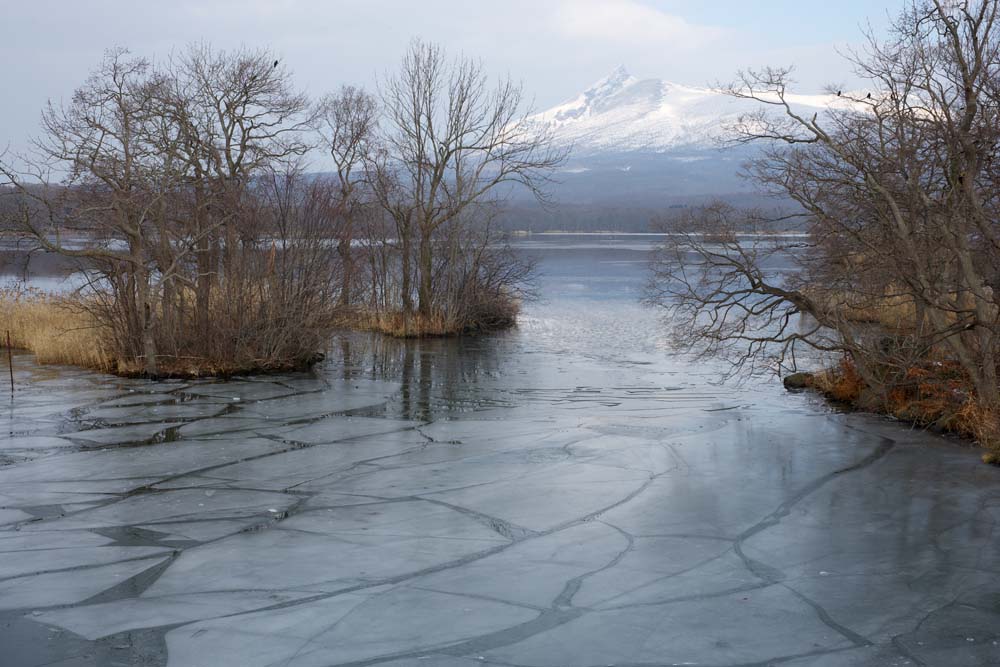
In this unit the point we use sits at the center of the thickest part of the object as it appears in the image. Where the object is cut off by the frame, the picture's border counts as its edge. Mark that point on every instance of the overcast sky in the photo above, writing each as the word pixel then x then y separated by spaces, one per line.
pixel 556 47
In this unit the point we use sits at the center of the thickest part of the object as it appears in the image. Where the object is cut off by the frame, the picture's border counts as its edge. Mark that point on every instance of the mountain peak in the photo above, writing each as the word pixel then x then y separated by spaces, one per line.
pixel 621 113
pixel 612 83
pixel 619 73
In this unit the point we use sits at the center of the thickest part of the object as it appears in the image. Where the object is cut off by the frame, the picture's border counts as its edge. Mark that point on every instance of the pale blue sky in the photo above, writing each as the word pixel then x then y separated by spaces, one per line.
pixel 556 47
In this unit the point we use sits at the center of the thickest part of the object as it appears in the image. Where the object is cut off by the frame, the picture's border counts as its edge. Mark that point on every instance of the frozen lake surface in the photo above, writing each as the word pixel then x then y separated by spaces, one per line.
pixel 569 493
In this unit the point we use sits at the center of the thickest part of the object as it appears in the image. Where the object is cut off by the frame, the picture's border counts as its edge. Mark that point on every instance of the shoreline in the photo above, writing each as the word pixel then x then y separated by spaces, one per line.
pixel 60 330
pixel 936 406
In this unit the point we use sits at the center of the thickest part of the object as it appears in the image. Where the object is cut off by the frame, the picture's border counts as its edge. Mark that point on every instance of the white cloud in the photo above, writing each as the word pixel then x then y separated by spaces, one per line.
pixel 630 22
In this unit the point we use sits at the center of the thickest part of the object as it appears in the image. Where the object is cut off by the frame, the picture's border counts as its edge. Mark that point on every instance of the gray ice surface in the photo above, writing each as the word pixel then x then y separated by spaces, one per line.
pixel 566 494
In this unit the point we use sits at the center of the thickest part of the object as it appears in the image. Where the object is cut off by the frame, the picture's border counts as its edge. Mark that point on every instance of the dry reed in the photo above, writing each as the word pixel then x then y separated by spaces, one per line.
pixel 57 329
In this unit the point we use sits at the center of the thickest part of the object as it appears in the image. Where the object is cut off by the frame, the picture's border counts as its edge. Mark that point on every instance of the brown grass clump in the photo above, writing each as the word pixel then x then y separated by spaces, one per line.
pixel 59 329
pixel 842 383
pixel 892 311
pixel 62 329
pixel 984 425
pixel 55 328
pixel 399 325
pixel 487 315
pixel 936 394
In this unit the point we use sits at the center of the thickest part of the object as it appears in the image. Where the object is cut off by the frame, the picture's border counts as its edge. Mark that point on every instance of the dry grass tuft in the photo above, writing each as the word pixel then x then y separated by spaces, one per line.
pixel 487 315
pixel 892 312
pixel 842 383
pixel 934 395
pixel 399 325
pixel 984 425
pixel 55 328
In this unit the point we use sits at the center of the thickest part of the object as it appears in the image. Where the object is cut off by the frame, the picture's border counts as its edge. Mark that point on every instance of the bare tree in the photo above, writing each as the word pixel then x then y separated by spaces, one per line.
pixel 102 142
pixel 452 141
pixel 163 192
pixel 233 115
pixel 898 193
pixel 347 126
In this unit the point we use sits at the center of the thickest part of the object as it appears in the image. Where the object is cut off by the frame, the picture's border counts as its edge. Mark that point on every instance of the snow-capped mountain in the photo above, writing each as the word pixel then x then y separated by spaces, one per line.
pixel 652 140
pixel 621 113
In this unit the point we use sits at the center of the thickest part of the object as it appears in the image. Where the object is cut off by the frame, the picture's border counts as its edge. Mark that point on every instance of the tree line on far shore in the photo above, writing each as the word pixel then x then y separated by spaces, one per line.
pixel 226 222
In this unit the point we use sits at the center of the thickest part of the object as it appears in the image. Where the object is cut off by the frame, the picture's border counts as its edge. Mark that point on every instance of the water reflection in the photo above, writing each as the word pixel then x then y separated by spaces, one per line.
pixel 438 375
pixel 586 343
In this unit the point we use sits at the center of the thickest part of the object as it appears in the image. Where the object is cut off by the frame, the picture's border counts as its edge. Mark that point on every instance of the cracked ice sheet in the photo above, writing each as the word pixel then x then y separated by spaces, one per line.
pixel 538 446
pixel 13 516
pixel 505 432
pixel 341 397
pixel 350 627
pixel 58 588
pixel 293 468
pixel 118 435
pixel 545 499
pixel 435 659
pixel 100 620
pixel 535 571
pixel 331 549
pixel 141 414
pixel 881 572
pixel 246 390
pixel 963 632
pixel 48 560
pixel 656 569
pixel 884 519
pixel 203 530
pixel 225 427
pixel 862 656
pixel 29 494
pixel 745 628
pixel 174 507
pixel 89 470
pixel 333 429
pixel 711 492
pixel 34 442
pixel 13 541
pixel 880 607
pixel 138 398
pixel 448 465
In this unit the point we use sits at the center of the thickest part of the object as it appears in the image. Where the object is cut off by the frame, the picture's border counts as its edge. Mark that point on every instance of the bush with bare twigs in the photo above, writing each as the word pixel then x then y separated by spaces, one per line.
pixel 209 250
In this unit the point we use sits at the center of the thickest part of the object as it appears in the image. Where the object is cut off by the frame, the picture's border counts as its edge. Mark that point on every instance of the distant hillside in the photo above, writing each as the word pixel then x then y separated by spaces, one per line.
pixel 622 114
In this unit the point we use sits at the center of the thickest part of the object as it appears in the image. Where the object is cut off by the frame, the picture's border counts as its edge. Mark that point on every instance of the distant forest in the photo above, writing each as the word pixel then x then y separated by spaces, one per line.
pixel 638 217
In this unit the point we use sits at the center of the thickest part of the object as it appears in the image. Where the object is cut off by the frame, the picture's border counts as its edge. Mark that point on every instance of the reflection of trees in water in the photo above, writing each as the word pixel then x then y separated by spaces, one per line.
pixel 438 375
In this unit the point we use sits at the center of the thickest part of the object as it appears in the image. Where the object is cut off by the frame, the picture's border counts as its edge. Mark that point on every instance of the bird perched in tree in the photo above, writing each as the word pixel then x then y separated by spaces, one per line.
pixel 838 93
pixel 275 64
pixel 869 96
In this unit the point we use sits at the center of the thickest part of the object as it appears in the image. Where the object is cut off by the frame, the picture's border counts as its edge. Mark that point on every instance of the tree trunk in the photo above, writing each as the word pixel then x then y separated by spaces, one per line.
pixel 426 269
pixel 347 261
pixel 203 288
pixel 405 288
pixel 146 313
pixel 149 342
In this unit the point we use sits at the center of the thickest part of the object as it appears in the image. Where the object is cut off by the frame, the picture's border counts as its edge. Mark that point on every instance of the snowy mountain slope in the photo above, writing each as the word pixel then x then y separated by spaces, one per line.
pixel 644 146
pixel 622 114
